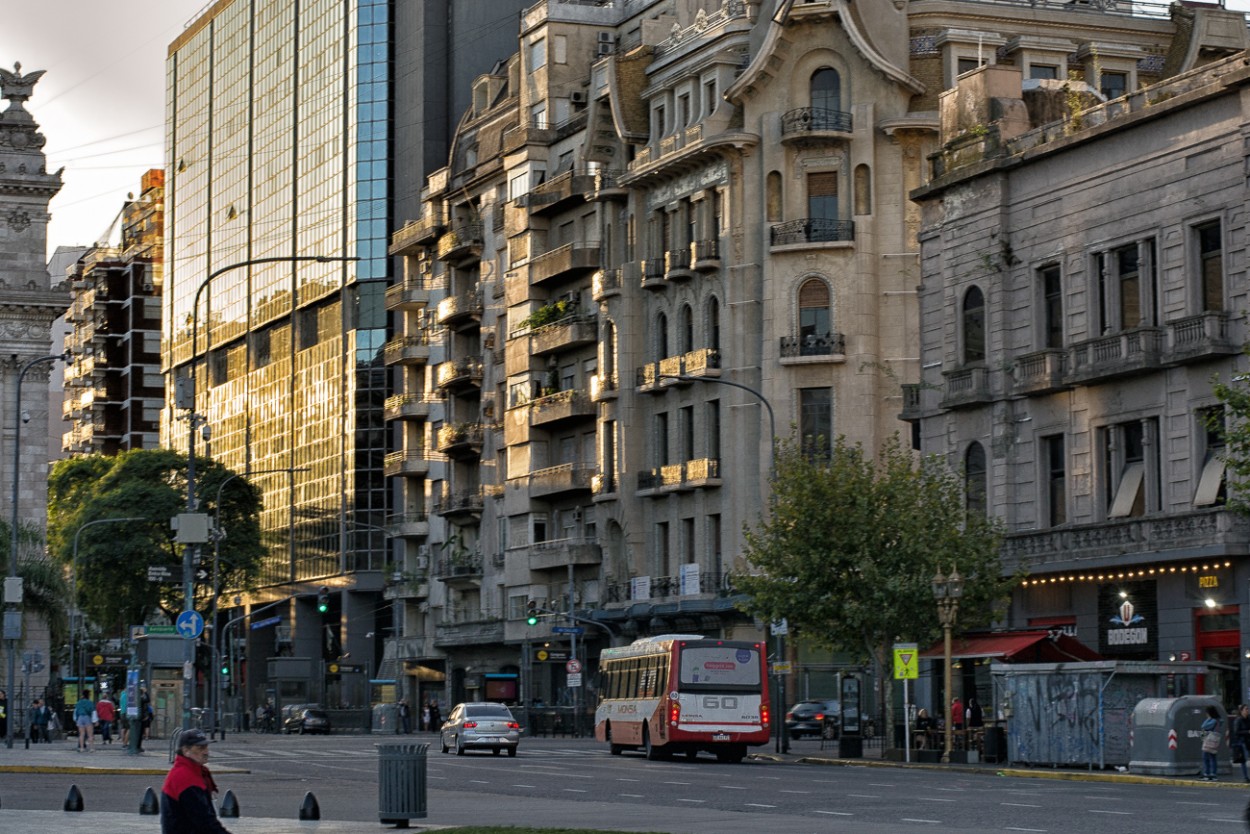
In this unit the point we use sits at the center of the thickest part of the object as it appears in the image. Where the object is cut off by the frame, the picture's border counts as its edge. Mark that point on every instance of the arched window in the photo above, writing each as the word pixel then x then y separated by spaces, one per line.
pixel 975 489
pixel 686 336
pixel 713 323
pixel 973 320
pixel 815 316
pixel 826 89
pixel 661 337
pixel 772 197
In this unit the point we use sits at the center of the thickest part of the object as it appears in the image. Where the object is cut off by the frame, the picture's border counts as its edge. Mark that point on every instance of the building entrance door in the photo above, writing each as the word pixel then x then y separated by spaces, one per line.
pixel 1217 639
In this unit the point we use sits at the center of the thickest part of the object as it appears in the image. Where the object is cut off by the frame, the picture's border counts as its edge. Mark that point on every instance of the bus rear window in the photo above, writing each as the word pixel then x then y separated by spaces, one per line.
pixel 720 666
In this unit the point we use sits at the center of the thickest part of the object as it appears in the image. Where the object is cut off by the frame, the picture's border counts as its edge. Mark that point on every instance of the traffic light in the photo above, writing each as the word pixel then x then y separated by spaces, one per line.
pixel 323 599
pixel 531 612
pixel 225 671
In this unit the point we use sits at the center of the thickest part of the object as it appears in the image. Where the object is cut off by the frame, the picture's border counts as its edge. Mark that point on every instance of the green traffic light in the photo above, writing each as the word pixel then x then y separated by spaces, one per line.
pixel 225 671
pixel 531 620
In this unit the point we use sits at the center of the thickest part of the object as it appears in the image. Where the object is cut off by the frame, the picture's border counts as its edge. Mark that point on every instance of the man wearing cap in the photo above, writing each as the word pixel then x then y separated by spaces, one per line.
pixel 187 795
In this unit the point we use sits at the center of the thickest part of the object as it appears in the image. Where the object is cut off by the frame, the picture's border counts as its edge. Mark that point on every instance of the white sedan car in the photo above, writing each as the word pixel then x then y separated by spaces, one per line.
pixel 480 726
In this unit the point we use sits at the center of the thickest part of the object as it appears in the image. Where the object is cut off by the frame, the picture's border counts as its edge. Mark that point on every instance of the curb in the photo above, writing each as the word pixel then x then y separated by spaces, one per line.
pixel 103 771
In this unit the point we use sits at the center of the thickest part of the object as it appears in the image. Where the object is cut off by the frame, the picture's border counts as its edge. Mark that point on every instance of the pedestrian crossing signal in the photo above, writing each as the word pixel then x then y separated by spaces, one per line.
pixel 323 600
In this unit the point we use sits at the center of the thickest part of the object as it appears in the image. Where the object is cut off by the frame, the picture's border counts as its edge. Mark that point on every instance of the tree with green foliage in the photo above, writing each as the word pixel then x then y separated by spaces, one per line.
pixel 851 543
pixel 113 559
pixel 44 589
pixel 1231 423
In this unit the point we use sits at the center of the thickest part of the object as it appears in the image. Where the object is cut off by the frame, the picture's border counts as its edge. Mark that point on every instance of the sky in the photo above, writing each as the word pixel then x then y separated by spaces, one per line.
pixel 101 104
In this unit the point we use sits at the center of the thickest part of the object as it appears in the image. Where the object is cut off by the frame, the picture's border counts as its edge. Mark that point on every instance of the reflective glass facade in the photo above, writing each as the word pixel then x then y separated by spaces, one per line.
pixel 279 123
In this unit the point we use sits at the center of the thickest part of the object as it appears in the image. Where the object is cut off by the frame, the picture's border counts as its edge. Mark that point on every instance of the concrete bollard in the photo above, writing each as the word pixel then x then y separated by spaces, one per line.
pixel 229 805
pixel 73 800
pixel 150 806
pixel 310 810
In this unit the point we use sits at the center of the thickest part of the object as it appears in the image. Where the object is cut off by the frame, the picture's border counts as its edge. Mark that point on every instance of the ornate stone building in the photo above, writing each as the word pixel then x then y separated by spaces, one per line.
pixel 29 303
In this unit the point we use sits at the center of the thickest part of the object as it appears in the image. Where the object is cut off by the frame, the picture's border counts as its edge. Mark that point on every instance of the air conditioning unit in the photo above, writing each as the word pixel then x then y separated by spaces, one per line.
pixel 423 562
pixel 423 552
pixel 148 287
pixel 607 37
pixel 606 49
pixel 577 97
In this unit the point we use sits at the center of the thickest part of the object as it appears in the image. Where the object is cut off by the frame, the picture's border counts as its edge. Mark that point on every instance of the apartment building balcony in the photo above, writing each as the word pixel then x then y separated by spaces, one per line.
pixel 420 232
pixel 475 628
pixel 604 386
pixel 811 124
pixel 911 401
pixel 1040 372
pixel 606 186
pixel 603 487
pixel 678 264
pixel 1199 338
pixel 1126 353
pixel 411 406
pixel 651 271
pixel 662 480
pixel 703 363
pixel 566 261
pixel 458 375
pixel 407 587
pixel 459 312
pixel 460 506
pixel 562 407
pixel 558 554
pixel 460 242
pixel 559 192
pixel 966 387
pixel 408 525
pixel 408 463
pixel 702 473
pixel 605 284
pixel 802 350
pixel 463 571
pixel 407 350
pixel 534 132
pixel 1104 545
pixel 569 332
pixel 461 441
pixel 655 377
pixel 412 293
pixel 560 480
pixel 811 230
pixel 705 255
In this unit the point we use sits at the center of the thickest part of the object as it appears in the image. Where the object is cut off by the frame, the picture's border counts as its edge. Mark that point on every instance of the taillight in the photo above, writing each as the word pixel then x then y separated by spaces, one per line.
pixel 469 725
pixel 674 713
pixel 764 714
pixel 820 716
pixel 512 725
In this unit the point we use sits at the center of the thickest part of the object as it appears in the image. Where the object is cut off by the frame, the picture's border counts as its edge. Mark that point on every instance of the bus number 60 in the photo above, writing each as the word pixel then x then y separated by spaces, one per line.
pixel 720 702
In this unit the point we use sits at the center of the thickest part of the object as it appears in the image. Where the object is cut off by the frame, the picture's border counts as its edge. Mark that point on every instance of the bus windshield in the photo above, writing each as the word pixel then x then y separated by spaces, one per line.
pixel 719 667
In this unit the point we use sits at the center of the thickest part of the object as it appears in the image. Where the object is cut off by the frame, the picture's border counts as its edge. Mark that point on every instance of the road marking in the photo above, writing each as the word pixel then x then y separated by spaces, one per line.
pixel 935 799
pixel 1009 828
pixel 692 800
pixel 1019 805
pixel 805 793
pixel 1120 813
pixel 880 784
pixel 574 790
pixel 759 805
pixel 631 795
pixel 623 779
pixel 478 782
pixel 666 783
pixel 928 822
pixel 731 788
pixel 864 795
pixel 525 786
pixel 1204 804
pixel 834 813
pixel 1221 819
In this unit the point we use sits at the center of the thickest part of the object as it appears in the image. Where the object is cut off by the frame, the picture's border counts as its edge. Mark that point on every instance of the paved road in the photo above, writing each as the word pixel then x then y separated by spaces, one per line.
pixel 575 783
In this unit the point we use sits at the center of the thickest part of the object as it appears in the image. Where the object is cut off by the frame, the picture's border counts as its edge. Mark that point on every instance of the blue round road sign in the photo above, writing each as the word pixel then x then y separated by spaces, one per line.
pixel 189 624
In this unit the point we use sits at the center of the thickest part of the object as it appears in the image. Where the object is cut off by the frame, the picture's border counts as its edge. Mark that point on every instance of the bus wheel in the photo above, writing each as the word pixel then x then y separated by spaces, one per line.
pixel 613 748
pixel 653 753
pixel 692 754
pixel 731 755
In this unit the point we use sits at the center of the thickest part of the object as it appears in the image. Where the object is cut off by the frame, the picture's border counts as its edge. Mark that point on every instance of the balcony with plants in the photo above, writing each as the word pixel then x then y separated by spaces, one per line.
pixel 461 242
pixel 462 374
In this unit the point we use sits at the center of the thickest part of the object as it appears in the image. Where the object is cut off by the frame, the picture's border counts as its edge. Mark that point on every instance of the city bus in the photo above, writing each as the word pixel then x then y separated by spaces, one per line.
pixel 680 693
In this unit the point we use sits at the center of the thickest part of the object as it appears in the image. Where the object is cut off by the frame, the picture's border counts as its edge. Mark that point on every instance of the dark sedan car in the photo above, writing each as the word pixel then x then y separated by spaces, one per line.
pixel 305 718
pixel 813 718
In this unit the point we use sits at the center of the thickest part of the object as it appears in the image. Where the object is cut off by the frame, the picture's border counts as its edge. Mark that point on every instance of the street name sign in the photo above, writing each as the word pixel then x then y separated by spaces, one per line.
pixel 164 573
pixel 567 630
pixel 266 623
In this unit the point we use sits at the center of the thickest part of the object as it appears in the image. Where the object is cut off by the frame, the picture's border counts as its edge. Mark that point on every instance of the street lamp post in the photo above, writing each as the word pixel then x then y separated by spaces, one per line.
pixel 12 607
pixel 186 399
pixel 947 591
pixel 81 667
pixel 783 738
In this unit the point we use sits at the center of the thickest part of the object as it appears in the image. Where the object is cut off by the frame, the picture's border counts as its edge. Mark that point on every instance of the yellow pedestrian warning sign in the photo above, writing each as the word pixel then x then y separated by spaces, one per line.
pixel 906 661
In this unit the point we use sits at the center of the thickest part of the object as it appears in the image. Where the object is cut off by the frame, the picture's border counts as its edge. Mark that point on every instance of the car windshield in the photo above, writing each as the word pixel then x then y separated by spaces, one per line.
pixel 487 711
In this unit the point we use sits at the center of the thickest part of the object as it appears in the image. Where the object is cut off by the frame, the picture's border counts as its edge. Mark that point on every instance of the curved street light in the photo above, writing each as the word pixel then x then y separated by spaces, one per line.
pixel 12 610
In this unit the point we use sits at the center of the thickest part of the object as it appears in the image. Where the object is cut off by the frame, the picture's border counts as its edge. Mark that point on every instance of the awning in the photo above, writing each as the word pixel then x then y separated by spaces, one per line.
pixel 1016 647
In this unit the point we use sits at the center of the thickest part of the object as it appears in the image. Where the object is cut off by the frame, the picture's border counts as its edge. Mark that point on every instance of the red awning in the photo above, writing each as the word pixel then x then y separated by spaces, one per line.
pixel 1016 647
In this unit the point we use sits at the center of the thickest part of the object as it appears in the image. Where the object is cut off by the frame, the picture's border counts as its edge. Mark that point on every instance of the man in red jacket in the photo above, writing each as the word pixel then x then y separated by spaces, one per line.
pixel 187 795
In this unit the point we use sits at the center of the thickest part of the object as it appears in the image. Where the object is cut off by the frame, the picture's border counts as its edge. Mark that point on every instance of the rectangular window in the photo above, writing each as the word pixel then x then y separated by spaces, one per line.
pixel 963 65
pixel 683 110
pixel 1043 71
pixel 1052 306
pixel 659 121
pixel 713 429
pixel 816 418
pixel 687 541
pixel 1211 265
pixel 538 54
pixel 822 195
pixel 560 49
pixel 661 439
pixel 1128 272
pixel 1212 483
pixel 686 417
pixel 662 551
pixel 1126 286
pixel 1056 479
pixel 1113 84
pixel 709 96
pixel 1130 472
pixel 714 547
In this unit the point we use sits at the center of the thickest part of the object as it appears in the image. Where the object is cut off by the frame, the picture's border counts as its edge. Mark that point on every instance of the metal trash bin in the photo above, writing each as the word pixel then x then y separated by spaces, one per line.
pixel 401 783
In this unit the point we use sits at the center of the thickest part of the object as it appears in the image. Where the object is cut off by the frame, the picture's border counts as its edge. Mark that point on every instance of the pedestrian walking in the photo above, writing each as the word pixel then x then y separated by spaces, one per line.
pixel 187 795
pixel 405 717
pixel 39 715
pixel 1212 737
pixel 84 719
pixel 146 714
pixel 1241 739
pixel 107 713
pixel 426 726
pixel 436 718
pixel 974 714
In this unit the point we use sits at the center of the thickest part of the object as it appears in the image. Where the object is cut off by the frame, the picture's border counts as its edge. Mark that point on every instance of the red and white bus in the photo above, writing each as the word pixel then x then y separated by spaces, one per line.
pixel 678 693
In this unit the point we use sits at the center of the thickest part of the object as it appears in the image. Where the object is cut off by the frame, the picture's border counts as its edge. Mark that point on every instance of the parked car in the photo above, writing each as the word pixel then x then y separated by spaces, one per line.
pixel 813 718
pixel 305 718
pixel 480 726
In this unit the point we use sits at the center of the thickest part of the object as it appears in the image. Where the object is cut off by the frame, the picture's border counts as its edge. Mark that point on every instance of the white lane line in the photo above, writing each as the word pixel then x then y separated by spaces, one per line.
pixel 631 795
pixel 731 788
pixel 954 790
pixel 1118 813
pixel 934 799
pixel 622 779
pixel 864 795
pixel 928 822
pixel 1221 819
pixel 525 786
pixel 1204 804
pixel 574 790
pixel 692 800
pixel 1009 828
pixel 479 782
pixel 834 813
pixel 880 784
pixel 805 793
pixel 758 805
pixel 667 783
pixel 1019 805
